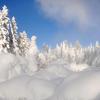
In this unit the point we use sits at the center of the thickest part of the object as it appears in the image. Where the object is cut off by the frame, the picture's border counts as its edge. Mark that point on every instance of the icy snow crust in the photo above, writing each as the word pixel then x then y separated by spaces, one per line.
pixel 20 79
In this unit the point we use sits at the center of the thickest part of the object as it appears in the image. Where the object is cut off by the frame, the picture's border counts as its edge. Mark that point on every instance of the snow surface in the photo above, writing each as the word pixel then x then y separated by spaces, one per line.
pixel 78 86
pixel 56 82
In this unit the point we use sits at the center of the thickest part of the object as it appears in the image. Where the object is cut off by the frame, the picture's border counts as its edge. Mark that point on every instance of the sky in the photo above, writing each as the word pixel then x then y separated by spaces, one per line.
pixel 54 21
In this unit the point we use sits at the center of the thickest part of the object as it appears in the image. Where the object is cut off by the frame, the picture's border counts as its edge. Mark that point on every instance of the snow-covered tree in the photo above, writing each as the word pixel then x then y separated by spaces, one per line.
pixel 97 45
pixel 24 43
pixel 4 30
pixel 13 37
pixel 77 45
pixel 61 49
pixel 42 61
pixel 33 47
pixel 45 48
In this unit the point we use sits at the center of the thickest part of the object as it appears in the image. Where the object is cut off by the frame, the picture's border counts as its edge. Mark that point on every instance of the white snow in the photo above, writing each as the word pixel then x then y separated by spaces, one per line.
pixel 26 87
pixel 85 86
pixel 55 82
pixel 77 86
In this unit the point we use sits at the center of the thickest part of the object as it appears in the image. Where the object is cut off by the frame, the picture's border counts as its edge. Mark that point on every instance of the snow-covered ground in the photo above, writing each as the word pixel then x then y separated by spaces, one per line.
pixel 20 79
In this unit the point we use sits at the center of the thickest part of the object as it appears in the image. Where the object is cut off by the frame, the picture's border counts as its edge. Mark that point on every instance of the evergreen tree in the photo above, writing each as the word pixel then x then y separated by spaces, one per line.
pixel 77 45
pixel 45 48
pixel 4 30
pixel 13 37
pixel 24 43
pixel 97 44
pixel 33 47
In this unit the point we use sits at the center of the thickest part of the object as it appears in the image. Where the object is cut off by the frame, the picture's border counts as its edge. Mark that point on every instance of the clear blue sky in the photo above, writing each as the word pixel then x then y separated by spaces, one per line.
pixel 53 21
